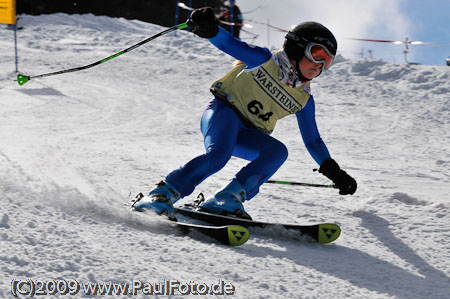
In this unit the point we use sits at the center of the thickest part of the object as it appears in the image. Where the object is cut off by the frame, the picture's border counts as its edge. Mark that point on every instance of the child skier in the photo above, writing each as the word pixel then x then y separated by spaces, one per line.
pixel 247 103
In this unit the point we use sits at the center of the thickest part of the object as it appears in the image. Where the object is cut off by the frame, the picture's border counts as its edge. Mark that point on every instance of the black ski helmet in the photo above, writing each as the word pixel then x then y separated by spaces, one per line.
pixel 304 33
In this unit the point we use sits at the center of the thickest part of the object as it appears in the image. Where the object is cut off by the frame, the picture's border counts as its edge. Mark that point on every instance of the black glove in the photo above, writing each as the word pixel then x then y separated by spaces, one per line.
pixel 345 183
pixel 203 22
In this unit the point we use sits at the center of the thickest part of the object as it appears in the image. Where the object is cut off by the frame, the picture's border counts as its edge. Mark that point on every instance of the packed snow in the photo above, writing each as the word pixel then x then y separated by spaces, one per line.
pixel 76 147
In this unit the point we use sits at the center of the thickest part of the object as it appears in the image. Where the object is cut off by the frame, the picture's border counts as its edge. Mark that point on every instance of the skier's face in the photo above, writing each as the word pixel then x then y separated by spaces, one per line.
pixel 309 69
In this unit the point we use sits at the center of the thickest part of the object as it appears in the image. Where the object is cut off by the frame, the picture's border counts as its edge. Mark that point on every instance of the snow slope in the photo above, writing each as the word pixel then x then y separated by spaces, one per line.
pixel 75 146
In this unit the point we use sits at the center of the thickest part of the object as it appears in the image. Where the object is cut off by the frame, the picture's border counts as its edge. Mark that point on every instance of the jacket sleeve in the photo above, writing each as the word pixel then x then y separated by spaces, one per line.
pixel 311 138
pixel 252 56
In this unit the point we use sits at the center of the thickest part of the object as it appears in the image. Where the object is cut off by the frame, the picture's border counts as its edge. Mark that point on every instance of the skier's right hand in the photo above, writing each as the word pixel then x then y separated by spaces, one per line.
pixel 203 22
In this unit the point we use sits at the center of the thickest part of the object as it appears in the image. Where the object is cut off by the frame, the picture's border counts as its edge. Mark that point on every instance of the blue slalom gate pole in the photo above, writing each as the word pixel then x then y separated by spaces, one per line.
pixel 231 17
pixel 189 13
pixel 177 11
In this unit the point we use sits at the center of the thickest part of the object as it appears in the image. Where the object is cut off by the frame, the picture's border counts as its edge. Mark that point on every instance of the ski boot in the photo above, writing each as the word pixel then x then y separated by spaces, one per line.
pixel 160 200
pixel 227 201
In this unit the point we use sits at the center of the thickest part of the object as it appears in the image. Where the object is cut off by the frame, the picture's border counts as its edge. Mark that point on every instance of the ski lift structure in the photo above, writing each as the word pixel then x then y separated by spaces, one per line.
pixel 405 42
pixel 370 51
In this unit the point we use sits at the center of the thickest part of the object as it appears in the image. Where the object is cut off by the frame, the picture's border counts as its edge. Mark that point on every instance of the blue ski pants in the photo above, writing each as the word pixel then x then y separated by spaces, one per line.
pixel 225 136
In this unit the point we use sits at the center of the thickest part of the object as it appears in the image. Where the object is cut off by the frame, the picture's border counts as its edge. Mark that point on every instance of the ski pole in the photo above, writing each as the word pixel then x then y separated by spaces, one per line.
pixel 22 79
pixel 300 184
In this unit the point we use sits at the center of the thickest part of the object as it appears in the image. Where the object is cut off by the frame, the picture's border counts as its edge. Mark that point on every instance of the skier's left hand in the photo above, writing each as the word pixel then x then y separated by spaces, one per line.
pixel 345 183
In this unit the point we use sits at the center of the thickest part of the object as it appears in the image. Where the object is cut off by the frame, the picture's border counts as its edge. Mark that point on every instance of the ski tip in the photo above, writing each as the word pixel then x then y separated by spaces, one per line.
pixel 237 235
pixel 22 79
pixel 328 233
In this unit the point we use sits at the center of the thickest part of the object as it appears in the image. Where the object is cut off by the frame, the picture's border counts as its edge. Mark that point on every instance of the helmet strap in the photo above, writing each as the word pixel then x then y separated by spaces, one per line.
pixel 299 73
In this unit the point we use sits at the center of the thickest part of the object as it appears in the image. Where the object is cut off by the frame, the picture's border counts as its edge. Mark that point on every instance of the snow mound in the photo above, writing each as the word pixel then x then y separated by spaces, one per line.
pixel 408 200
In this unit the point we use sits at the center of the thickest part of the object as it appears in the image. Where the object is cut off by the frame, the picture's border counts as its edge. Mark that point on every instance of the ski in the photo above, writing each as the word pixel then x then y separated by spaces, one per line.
pixel 228 234
pixel 233 235
pixel 322 233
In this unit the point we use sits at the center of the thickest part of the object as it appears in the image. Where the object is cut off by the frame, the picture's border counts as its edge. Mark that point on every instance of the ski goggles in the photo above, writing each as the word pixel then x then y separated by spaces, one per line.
pixel 319 54
pixel 315 52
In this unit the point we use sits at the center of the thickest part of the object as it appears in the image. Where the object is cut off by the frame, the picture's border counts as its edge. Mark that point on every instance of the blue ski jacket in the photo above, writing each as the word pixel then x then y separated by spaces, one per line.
pixel 254 56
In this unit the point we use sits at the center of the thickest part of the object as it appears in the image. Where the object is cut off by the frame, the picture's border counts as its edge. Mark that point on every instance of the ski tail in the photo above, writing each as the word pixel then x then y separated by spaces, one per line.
pixel 328 233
